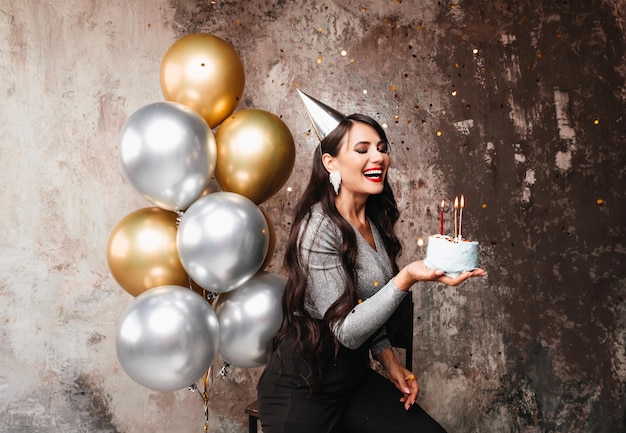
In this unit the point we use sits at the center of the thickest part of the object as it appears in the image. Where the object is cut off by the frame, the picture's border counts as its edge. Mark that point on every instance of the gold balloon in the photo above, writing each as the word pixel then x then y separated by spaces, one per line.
pixel 272 239
pixel 204 73
pixel 142 253
pixel 255 154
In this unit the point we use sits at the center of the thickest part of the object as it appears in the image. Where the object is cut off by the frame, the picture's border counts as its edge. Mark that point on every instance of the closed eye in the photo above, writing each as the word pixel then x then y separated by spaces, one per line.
pixel 362 147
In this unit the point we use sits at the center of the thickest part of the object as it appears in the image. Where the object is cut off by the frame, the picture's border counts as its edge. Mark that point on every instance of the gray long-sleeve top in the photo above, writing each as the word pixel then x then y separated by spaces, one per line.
pixel 320 248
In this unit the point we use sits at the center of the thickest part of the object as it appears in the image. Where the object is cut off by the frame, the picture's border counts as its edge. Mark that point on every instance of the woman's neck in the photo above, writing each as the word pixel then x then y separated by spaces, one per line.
pixel 352 209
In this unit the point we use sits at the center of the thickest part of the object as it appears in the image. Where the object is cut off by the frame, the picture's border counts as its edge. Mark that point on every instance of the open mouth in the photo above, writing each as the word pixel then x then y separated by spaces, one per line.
pixel 374 174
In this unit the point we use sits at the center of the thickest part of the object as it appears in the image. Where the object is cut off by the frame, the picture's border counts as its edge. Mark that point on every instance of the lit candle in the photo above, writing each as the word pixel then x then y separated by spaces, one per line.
pixel 441 218
pixel 461 205
pixel 456 207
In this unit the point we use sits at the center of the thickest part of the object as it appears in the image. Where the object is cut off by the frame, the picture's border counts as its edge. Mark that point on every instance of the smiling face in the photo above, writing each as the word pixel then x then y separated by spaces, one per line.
pixel 362 161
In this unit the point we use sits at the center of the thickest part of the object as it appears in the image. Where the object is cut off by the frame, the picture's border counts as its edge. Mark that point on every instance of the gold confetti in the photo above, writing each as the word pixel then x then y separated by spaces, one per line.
pixel 420 242
pixel 599 201
pixel 394 88
pixel 484 205
pixel 439 133
pixel 376 283
pixel 475 51
pixel 319 59
pixel 360 301
pixel 596 121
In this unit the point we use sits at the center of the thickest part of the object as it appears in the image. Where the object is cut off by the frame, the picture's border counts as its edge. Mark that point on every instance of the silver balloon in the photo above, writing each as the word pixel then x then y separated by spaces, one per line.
pixel 222 241
pixel 249 316
pixel 167 338
pixel 168 154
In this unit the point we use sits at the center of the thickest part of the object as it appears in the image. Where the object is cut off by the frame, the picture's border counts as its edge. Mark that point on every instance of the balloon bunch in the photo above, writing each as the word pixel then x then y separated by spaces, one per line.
pixel 205 237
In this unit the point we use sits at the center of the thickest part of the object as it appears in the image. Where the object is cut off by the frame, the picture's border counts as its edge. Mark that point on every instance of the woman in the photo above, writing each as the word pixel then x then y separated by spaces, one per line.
pixel 343 285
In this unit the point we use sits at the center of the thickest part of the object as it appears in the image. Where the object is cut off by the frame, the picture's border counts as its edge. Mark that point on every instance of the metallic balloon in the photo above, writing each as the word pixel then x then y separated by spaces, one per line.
pixel 205 73
pixel 256 154
pixel 249 316
pixel 142 253
pixel 272 244
pixel 222 240
pixel 167 152
pixel 167 338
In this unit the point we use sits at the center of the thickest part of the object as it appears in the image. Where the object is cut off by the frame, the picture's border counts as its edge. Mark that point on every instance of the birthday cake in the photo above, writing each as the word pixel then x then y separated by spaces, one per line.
pixel 452 255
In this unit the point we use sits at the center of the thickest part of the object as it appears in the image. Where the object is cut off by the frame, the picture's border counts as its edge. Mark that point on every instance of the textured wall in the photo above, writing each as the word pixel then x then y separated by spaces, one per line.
pixel 529 127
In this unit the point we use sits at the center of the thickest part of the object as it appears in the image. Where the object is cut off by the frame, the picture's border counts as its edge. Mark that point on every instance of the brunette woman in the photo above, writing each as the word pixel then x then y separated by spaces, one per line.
pixel 343 285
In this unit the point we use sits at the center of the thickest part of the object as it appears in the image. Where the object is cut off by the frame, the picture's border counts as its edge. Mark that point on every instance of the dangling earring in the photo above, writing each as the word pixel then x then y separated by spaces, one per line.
pixel 335 180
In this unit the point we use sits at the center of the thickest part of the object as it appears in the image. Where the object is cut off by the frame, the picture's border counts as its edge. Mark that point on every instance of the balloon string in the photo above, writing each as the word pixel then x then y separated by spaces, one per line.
pixel 204 394
pixel 205 398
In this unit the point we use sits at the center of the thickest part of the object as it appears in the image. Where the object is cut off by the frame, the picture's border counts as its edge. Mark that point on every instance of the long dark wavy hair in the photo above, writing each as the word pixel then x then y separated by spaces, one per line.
pixel 313 338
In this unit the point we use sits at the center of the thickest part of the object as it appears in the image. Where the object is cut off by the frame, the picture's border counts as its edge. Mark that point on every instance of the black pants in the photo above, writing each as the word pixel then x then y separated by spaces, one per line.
pixel 351 398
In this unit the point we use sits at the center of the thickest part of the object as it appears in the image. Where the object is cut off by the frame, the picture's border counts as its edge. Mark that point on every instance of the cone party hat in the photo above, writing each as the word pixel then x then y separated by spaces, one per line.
pixel 323 118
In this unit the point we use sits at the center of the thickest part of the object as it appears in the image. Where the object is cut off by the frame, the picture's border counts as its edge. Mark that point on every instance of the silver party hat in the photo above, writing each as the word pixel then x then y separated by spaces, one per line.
pixel 323 118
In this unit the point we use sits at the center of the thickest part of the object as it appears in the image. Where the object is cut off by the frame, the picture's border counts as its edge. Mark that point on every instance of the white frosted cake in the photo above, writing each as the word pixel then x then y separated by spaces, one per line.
pixel 451 255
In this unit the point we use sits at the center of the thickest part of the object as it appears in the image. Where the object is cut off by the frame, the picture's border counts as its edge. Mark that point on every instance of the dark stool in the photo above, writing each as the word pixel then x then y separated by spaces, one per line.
pixel 400 334
pixel 253 416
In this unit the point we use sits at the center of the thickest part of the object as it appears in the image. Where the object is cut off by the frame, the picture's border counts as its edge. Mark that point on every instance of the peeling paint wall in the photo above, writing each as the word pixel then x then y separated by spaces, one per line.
pixel 517 105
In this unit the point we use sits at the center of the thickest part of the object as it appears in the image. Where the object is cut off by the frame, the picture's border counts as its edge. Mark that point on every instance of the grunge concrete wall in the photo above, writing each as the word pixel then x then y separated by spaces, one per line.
pixel 518 105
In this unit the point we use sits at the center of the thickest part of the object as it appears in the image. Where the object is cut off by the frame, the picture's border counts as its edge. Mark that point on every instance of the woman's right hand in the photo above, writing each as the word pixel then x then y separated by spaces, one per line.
pixel 418 271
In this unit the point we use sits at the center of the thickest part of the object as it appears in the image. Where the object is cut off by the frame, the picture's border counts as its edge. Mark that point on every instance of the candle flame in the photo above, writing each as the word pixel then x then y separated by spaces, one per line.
pixel 456 202
pixel 443 203
pixel 462 201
